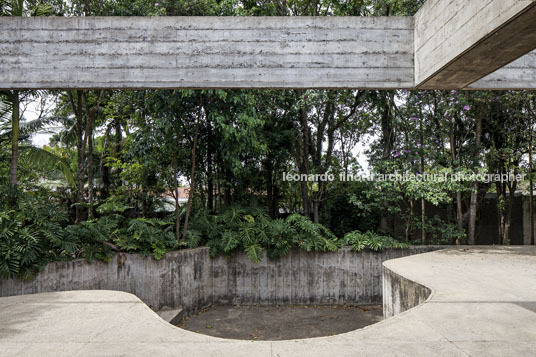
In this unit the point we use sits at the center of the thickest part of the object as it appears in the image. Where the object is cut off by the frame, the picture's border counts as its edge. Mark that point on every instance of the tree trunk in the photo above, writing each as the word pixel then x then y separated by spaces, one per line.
pixel 459 214
pixel 473 205
pixel 459 208
pixel 79 128
pixel 104 169
pixel 500 187
pixel 409 227
pixel 210 176
pixel 269 190
pixel 509 208
pixel 315 211
pixel 531 184
pixel 177 211
pixel 192 177
pixel 90 189
pixel 15 118
pixel 275 202
pixel 387 141
pixel 423 202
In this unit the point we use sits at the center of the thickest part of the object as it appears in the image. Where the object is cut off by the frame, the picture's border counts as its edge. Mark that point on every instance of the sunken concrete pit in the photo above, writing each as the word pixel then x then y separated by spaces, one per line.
pixel 191 280
pixel 481 303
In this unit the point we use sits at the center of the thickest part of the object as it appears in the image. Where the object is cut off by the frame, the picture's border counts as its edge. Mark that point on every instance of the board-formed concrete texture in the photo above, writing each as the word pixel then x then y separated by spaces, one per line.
pixel 206 52
pixel 191 280
pixel 459 42
pixel 448 44
pixel 520 74
pixel 481 303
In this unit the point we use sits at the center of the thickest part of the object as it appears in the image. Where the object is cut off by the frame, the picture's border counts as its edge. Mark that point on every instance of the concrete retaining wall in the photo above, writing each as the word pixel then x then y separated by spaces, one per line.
pixel 400 294
pixel 191 279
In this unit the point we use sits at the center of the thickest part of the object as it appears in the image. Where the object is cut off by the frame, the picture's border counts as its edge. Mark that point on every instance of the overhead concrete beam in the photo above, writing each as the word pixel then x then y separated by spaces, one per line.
pixel 520 74
pixel 459 42
pixel 449 44
pixel 206 52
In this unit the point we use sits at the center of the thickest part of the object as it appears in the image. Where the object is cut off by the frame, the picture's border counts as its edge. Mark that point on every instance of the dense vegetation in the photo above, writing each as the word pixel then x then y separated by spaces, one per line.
pixel 110 177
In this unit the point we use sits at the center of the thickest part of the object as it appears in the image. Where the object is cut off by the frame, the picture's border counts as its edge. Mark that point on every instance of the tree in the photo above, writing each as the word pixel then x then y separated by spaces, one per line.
pixel 19 8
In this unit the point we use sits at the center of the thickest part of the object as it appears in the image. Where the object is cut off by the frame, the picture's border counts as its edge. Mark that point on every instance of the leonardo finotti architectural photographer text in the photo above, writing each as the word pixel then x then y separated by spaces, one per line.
pixel 405 177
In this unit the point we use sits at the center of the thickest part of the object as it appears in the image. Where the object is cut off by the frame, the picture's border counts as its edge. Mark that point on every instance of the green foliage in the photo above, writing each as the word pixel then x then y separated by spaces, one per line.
pixel 21 246
pixel 30 236
pixel 254 232
pixel 370 240
pixel 148 236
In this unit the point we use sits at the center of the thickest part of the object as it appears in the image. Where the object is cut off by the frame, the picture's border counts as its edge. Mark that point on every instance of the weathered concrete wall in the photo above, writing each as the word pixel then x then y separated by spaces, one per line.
pixel 206 52
pixel 400 294
pixel 459 42
pixel 520 74
pixel 181 279
pixel 191 279
pixel 343 277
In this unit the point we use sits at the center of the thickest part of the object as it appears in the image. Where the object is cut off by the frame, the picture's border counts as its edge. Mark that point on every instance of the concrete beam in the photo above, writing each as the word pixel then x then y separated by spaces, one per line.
pixel 460 42
pixel 520 74
pixel 206 52
pixel 448 45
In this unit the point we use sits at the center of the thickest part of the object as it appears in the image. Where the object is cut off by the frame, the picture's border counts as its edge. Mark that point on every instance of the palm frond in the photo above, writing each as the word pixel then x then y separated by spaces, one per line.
pixel 45 160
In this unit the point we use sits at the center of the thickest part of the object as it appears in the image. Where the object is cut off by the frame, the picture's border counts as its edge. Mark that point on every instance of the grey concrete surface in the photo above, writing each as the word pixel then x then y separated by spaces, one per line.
pixel 173 316
pixel 482 304
pixel 460 42
pixel 206 52
pixel 448 44
pixel 401 294
pixel 191 280
pixel 520 74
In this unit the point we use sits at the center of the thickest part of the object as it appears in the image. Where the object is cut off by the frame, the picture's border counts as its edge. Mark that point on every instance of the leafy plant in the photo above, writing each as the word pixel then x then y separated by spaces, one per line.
pixel 148 236
pixel 370 240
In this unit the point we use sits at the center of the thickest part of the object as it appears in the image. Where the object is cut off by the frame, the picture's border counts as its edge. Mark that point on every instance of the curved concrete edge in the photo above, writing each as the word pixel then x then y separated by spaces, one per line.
pixel 401 294
pixel 482 302
pixel 191 279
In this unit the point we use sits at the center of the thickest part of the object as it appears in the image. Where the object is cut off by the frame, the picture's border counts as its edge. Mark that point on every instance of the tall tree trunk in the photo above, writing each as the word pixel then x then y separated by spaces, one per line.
pixel 90 188
pixel 459 214
pixel 302 153
pixel 423 202
pixel 80 150
pixel 15 118
pixel 474 194
pixel 210 175
pixel 192 177
pixel 531 183
pixel 459 208
pixel 512 186
pixel 104 169
pixel 177 211
pixel 118 142
pixel 81 110
pixel 387 141
pixel 501 189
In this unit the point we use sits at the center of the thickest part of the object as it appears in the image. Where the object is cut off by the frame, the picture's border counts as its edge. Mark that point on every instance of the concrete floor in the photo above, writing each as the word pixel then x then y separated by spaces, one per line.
pixel 483 303
pixel 273 323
